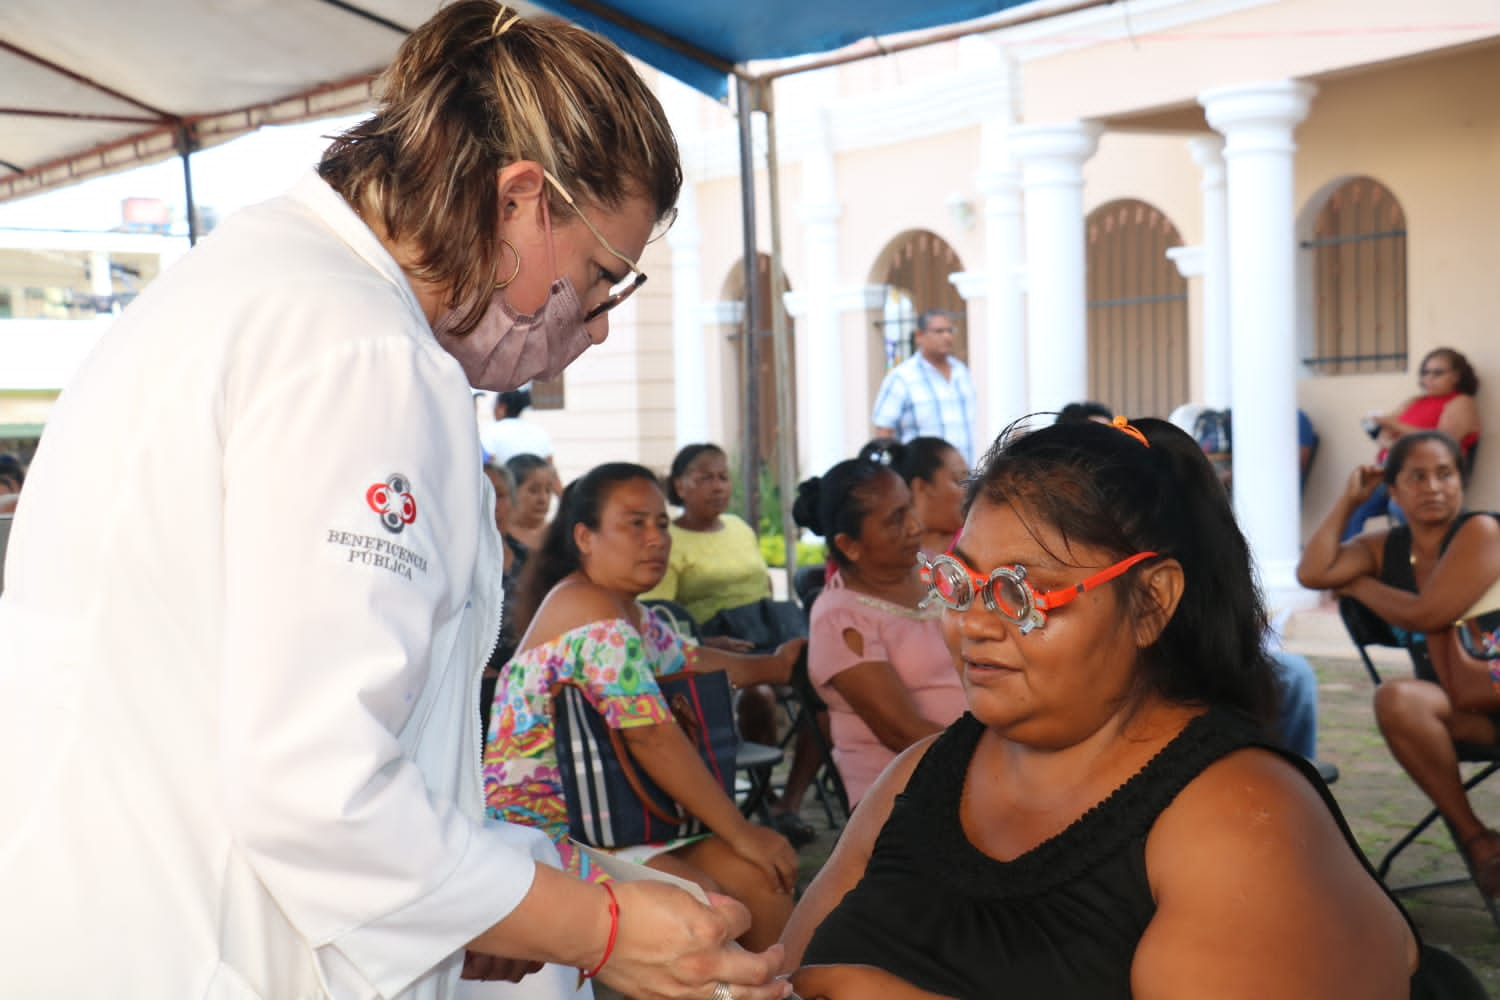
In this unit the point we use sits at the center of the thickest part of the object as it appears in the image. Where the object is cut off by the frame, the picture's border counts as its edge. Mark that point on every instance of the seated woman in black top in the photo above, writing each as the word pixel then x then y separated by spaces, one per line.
pixel 1110 819
pixel 1420 577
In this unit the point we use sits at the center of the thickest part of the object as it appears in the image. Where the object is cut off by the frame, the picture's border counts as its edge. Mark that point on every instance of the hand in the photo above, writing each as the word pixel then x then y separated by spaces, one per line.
pixel 671 947
pixel 729 643
pixel 769 851
pixel 492 967
pixel 1362 482
pixel 786 654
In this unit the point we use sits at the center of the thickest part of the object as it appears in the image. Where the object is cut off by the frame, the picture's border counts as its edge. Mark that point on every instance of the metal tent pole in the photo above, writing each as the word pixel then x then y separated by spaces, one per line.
pixel 754 309
pixel 185 150
pixel 786 430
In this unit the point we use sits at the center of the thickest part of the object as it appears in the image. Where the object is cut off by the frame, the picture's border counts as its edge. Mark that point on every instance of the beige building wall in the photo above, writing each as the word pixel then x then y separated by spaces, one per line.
pixel 618 395
pixel 23 407
pixel 1414 109
pixel 1429 130
pixel 40 283
pixel 1411 108
pixel 888 192
pixel 1101 64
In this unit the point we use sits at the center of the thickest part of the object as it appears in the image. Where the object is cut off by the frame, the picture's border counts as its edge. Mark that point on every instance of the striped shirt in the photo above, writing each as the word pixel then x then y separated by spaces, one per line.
pixel 915 400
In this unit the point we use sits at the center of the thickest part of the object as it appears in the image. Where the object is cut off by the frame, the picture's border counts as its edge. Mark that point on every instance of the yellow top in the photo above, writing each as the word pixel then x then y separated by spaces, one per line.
pixel 713 570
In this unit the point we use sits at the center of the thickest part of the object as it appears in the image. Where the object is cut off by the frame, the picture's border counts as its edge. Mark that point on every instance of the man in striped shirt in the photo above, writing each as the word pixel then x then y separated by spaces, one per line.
pixel 930 394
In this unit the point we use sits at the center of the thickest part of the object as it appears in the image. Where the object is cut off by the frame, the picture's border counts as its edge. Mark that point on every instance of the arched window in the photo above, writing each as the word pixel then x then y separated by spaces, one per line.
pixel 1358 261
pixel 1137 311
pixel 915 267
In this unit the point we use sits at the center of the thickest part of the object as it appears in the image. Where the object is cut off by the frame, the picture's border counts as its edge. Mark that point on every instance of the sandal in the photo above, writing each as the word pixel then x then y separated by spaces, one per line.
pixel 1486 873
pixel 794 828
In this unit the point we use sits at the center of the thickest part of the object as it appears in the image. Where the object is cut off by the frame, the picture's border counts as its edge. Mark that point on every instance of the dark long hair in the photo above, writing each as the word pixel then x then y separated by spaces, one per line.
pixel 920 458
pixel 1401 450
pixel 1098 486
pixel 1468 379
pixel 836 502
pixel 582 502
pixel 685 457
pixel 523 465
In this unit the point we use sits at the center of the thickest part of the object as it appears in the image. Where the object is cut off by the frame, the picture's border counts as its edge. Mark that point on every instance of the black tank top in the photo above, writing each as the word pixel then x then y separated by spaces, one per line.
pixel 1396 571
pixel 1060 921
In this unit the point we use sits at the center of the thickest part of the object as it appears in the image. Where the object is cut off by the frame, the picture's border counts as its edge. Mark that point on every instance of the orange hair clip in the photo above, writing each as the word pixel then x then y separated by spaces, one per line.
pixel 1120 423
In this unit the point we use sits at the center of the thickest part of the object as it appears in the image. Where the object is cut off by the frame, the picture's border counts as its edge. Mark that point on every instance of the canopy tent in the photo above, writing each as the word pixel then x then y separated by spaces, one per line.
pixel 94 86
pixel 89 87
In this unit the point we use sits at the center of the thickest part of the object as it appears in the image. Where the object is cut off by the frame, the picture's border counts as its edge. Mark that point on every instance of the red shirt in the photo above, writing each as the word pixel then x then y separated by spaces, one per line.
pixel 1424 412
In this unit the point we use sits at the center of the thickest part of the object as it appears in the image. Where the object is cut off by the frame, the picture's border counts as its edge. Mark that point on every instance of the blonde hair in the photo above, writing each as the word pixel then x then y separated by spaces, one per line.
pixel 479 87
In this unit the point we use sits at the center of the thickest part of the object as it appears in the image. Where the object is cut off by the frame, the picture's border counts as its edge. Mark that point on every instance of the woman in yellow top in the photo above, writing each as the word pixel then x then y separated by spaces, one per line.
pixel 716 561
pixel 716 565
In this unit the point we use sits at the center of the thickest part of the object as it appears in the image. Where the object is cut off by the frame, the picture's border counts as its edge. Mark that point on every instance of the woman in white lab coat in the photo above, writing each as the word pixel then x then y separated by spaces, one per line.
pixel 256 576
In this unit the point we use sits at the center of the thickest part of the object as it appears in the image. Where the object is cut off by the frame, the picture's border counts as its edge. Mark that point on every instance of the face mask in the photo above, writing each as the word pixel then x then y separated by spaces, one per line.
pixel 507 350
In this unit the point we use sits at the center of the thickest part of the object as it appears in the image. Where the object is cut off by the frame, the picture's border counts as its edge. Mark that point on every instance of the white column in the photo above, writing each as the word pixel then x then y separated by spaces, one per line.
pixel 1257 121
pixel 721 369
pixel 690 381
pixel 1002 384
pixel 1189 263
pixel 689 384
pixel 1188 259
pixel 821 406
pixel 862 364
pixel 1052 158
pixel 974 287
pixel 1003 381
pixel 1208 153
pixel 101 282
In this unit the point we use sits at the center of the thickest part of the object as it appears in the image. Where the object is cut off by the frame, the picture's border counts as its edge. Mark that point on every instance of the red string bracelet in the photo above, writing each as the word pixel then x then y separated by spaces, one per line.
pixel 614 928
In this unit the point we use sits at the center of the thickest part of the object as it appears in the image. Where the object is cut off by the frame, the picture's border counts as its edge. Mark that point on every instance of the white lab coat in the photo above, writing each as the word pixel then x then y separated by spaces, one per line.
pixel 239 711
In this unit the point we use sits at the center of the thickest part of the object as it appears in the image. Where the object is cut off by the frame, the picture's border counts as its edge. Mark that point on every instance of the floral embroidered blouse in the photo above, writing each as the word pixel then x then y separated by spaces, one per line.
pixel 616 666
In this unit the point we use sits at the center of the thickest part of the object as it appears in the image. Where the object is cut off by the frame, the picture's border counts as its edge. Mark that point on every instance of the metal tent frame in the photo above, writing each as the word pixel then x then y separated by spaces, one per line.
pixel 706 45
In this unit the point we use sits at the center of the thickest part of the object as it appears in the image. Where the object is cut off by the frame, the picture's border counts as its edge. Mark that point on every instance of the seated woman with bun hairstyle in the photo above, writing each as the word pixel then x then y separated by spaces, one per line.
pixel 874 651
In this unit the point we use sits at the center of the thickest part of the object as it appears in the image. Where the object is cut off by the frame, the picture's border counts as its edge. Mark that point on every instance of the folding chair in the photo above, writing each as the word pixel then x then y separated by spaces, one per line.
pixel 802 704
pixel 1365 629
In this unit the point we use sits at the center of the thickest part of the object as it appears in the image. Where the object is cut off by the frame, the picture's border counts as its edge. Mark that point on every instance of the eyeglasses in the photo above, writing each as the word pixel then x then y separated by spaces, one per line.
pixel 620 288
pixel 1006 591
pixel 1434 372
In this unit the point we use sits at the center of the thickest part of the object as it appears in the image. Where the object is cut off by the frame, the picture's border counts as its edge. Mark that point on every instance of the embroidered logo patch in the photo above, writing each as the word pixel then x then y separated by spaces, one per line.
pixel 393 501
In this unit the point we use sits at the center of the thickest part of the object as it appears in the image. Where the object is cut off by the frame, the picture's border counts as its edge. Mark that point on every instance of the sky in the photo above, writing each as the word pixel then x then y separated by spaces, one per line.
pixel 242 172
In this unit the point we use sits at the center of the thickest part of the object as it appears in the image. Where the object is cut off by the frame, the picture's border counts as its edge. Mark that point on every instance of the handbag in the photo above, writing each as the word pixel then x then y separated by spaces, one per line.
pixel 612 801
pixel 765 623
pixel 1479 628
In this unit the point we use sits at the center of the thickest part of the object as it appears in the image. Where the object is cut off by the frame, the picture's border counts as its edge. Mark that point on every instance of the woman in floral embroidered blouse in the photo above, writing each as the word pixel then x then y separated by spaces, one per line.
pixel 608 545
pixel 876 656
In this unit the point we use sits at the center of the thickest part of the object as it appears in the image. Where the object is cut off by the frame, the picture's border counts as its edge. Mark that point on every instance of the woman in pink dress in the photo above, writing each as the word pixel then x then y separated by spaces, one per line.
pixel 875 653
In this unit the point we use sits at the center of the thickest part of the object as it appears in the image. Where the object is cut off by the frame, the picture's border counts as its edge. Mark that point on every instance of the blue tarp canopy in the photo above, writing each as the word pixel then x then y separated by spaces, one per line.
pixel 714 36
pixel 89 87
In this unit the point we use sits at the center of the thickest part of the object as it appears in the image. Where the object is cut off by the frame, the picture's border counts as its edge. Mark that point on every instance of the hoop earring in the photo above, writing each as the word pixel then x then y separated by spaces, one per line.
pixel 507 281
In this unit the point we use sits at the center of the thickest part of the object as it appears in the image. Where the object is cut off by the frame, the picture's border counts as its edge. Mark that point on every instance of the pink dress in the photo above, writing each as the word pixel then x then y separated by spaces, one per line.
pixel 908 639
